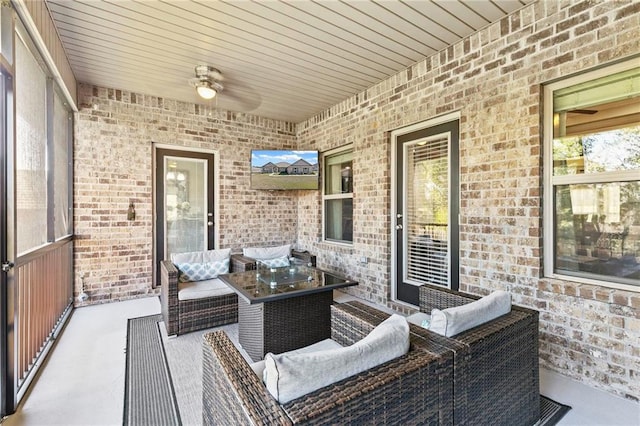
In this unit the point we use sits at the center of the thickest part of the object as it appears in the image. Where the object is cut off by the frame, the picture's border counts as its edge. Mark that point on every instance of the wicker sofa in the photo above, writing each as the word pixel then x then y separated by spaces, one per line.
pixel 496 376
pixel 415 389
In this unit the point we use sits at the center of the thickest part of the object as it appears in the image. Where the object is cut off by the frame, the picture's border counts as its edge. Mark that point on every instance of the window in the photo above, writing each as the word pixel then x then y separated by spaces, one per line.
pixel 338 196
pixel 592 177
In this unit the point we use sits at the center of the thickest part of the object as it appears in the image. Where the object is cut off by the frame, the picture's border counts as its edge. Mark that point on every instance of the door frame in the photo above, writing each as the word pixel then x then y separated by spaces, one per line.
pixel 8 395
pixel 216 197
pixel 395 135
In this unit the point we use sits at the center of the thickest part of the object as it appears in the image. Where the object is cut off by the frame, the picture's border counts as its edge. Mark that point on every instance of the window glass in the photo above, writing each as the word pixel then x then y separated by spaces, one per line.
pixel 596 178
pixel 598 229
pixel 338 174
pixel 339 220
pixel 338 196
pixel 31 151
pixel 608 151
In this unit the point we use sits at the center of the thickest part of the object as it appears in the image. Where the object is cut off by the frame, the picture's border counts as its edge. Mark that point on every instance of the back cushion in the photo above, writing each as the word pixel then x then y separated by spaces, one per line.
pixel 276 262
pixel 290 375
pixel 201 256
pixel 201 265
pixel 265 253
pixel 451 321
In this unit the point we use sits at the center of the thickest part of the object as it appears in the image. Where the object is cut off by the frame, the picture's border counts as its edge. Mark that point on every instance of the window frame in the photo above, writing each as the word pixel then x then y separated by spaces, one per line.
pixel 339 196
pixel 550 181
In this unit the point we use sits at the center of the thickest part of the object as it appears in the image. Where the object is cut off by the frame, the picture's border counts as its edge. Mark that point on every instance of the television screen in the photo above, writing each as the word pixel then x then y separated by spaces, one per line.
pixel 284 169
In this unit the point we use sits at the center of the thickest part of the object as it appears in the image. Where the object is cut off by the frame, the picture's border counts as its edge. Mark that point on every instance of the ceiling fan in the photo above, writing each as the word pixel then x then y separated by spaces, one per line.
pixel 207 81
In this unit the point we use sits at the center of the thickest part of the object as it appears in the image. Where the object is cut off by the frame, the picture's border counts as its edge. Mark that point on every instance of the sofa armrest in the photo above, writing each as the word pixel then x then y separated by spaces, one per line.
pixel 231 391
pixel 241 263
pixel 169 296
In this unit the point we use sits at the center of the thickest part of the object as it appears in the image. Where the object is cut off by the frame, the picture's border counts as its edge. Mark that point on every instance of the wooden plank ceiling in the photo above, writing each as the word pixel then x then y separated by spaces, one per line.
pixel 287 60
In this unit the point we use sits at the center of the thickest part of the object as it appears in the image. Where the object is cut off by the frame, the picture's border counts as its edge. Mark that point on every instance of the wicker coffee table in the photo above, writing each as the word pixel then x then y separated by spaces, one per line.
pixel 280 309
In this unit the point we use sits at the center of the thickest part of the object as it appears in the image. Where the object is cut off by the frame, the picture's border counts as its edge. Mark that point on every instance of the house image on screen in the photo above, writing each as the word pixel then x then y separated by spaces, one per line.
pixel 300 167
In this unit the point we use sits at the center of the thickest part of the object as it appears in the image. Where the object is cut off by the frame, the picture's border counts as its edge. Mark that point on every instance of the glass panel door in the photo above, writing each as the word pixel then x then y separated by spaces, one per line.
pixel 426 206
pixel 185 205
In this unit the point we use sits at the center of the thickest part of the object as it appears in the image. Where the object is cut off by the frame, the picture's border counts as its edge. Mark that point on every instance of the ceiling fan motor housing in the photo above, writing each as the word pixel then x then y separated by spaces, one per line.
pixel 207 76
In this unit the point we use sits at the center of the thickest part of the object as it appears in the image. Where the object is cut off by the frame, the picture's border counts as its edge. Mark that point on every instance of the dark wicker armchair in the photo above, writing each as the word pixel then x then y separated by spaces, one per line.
pixel 496 376
pixel 415 389
pixel 184 316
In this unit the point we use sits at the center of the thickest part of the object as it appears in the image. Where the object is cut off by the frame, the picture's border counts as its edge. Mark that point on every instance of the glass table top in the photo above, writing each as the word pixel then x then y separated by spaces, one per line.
pixel 268 284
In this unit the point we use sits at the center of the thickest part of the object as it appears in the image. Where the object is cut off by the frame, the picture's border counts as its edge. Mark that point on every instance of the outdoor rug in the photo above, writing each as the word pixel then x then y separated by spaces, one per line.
pixel 551 411
pixel 182 356
pixel 149 398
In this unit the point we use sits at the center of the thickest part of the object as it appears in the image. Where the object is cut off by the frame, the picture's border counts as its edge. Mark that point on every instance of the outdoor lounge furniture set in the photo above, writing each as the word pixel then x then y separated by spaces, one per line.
pixel 477 364
pixel 473 361
pixel 193 298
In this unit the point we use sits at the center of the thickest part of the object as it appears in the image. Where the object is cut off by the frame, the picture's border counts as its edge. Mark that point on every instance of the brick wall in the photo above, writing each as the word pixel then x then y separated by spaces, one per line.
pixel 493 78
pixel 113 153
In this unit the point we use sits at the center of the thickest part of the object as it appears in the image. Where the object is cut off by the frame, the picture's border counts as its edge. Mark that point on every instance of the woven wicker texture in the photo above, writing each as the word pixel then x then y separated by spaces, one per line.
pixel 405 391
pixel 282 325
pixel 501 371
pixel 184 316
pixel 496 376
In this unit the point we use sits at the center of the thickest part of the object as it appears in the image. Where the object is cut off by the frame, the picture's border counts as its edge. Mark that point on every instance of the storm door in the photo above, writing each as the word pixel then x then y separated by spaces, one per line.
pixel 184 203
pixel 426 210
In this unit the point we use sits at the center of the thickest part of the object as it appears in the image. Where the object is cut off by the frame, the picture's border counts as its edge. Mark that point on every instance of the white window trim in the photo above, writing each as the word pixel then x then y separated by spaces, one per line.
pixel 549 181
pixel 326 197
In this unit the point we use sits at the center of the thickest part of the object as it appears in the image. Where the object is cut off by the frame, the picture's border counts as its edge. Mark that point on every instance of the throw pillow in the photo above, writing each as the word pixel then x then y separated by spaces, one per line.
pixel 420 319
pixel 261 253
pixel 290 375
pixel 201 271
pixel 200 256
pixel 277 262
pixel 452 321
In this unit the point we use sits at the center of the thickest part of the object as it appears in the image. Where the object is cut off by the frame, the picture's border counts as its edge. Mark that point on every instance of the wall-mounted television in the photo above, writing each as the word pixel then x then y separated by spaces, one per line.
pixel 284 169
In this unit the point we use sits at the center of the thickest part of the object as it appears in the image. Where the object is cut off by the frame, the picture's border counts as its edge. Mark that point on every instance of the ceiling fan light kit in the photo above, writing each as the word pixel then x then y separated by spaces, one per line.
pixel 205 90
pixel 206 83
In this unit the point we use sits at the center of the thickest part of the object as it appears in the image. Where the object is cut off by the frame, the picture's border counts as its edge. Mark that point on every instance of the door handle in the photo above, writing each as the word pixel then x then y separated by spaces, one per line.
pixel 399 226
pixel 209 223
pixel 6 266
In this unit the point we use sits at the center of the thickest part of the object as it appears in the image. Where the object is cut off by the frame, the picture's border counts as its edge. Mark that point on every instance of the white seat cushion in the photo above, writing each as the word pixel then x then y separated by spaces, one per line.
pixel 323 345
pixel 201 289
pixel 452 321
pixel 289 376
